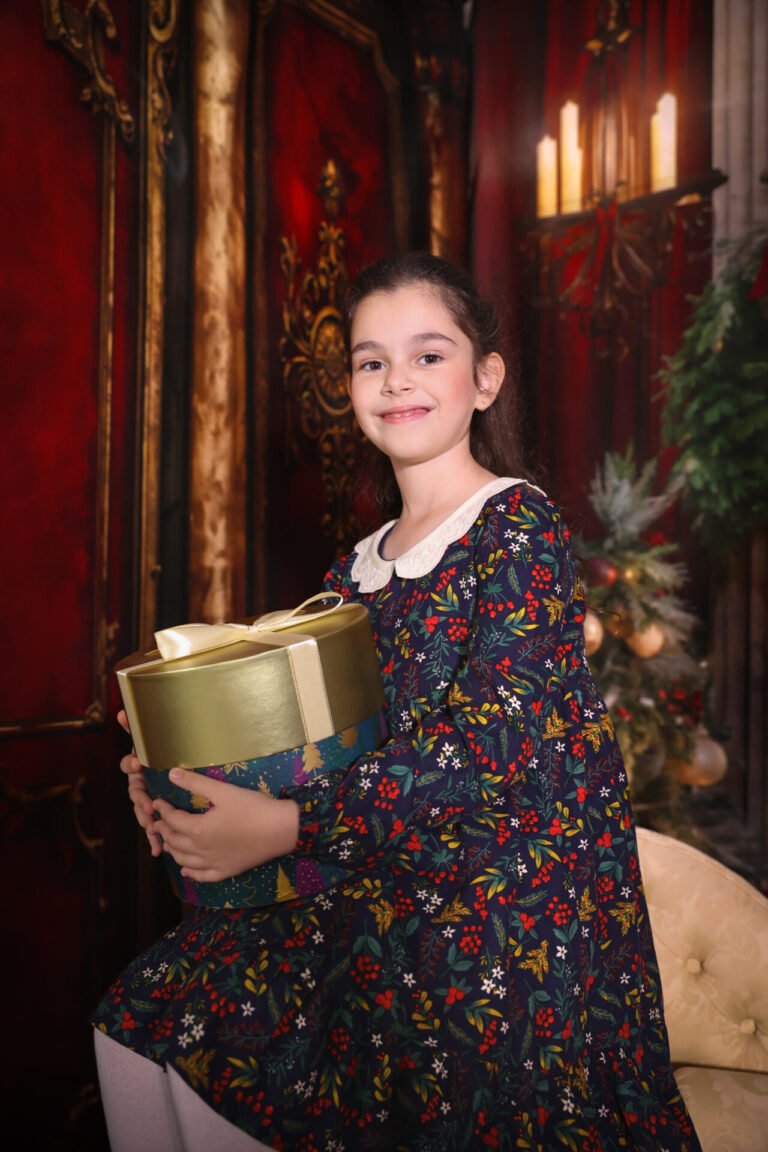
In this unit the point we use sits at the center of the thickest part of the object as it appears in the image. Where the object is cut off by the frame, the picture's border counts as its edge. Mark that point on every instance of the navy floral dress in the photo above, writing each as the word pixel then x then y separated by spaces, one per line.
pixel 486 976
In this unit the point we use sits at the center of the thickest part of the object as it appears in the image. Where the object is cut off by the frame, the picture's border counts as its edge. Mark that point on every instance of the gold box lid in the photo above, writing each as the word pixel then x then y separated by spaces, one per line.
pixel 279 688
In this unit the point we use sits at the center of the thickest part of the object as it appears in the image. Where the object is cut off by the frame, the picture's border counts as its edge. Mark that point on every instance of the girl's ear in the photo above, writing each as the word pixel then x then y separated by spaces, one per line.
pixel 490 377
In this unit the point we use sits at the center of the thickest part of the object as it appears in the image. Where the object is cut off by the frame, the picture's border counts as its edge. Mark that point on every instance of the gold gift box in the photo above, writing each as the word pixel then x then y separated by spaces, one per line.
pixel 290 680
pixel 263 704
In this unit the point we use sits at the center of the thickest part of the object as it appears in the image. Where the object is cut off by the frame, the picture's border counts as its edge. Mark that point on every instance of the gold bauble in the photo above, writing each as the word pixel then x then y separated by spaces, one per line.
pixel 617 621
pixel 593 632
pixel 707 765
pixel 647 642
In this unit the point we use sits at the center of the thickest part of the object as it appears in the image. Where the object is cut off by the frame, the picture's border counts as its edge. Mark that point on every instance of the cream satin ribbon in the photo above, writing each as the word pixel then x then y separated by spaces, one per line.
pixel 306 667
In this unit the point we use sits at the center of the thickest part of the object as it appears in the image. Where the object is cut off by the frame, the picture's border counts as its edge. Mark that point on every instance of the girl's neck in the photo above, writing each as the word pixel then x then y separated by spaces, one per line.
pixel 430 493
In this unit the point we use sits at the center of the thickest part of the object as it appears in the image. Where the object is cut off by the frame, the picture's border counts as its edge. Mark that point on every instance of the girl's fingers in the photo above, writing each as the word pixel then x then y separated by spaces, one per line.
pixel 131 765
pixel 139 797
pixel 176 822
pixel 154 841
pixel 185 859
pixel 197 782
pixel 176 838
pixel 138 794
pixel 208 875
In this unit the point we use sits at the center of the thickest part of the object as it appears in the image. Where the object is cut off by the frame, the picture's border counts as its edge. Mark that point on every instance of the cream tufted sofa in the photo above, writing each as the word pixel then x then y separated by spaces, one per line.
pixel 710 928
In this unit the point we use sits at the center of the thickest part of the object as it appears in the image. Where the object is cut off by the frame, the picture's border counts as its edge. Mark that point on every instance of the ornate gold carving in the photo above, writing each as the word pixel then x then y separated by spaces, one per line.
pixel 83 35
pixel 162 24
pixel 32 799
pixel 91 718
pixel 161 42
pixel 314 360
pixel 93 845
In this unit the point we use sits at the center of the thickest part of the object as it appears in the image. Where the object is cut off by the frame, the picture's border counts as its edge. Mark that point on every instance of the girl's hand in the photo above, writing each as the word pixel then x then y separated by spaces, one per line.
pixel 138 794
pixel 240 830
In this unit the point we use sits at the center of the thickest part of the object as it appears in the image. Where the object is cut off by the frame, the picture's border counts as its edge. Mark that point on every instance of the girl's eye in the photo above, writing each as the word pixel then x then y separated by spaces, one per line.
pixel 369 366
pixel 430 358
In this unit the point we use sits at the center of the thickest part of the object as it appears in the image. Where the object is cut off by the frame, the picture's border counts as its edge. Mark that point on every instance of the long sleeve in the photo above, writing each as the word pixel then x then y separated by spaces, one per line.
pixel 500 606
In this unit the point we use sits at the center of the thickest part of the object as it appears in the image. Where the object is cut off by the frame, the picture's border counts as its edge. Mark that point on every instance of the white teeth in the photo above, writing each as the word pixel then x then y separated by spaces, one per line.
pixel 404 413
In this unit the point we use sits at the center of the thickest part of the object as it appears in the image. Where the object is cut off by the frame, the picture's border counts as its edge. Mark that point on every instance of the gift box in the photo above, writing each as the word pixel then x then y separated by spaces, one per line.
pixel 263 704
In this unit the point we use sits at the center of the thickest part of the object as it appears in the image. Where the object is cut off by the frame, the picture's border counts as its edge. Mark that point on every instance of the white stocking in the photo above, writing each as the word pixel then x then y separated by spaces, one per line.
pixel 153 1110
pixel 136 1100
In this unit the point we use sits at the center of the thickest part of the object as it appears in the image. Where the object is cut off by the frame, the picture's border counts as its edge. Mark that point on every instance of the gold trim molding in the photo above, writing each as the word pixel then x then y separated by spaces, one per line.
pixel 162 28
pixel 217 522
pixel 160 55
pixel 32 800
pixel 83 35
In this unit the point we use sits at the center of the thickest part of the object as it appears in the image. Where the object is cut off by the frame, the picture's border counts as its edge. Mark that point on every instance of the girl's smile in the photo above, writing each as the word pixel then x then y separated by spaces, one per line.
pixel 399 415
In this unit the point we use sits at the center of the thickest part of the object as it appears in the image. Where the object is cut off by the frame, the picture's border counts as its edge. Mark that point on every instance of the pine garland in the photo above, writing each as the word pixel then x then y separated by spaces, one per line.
pixel 715 393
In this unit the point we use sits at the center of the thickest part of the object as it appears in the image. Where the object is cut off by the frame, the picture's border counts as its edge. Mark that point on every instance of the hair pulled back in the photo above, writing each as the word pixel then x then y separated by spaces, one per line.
pixel 493 433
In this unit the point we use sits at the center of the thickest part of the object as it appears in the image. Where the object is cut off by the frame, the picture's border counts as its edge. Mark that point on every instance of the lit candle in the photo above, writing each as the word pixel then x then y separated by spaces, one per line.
pixel 664 144
pixel 570 158
pixel 546 177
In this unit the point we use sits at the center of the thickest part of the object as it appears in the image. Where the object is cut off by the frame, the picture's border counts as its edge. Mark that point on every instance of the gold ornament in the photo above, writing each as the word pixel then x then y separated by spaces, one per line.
pixel 647 642
pixel 593 632
pixel 707 765
pixel 617 621
pixel 318 409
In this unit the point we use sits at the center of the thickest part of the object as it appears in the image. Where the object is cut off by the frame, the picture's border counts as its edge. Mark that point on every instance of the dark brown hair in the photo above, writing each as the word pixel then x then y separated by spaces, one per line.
pixel 493 433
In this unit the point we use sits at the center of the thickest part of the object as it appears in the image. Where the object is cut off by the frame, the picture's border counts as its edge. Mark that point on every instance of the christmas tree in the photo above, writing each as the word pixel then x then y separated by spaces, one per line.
pixel 640 638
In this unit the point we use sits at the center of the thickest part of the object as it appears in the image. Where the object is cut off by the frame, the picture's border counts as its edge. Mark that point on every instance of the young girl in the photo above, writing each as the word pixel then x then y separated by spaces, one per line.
pixel 486 977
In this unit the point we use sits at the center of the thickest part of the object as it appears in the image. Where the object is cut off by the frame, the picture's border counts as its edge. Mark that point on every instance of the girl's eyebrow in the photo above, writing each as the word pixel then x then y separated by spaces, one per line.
pixel 419 338
pixel 365 346
pixel 430 337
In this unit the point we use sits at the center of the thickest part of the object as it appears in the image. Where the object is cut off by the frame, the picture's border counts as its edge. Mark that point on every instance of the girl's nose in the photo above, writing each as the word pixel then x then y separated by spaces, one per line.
pixel 397 380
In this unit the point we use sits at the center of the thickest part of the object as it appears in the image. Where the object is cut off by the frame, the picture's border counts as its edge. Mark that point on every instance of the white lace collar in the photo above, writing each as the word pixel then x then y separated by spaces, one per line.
pixel 371 572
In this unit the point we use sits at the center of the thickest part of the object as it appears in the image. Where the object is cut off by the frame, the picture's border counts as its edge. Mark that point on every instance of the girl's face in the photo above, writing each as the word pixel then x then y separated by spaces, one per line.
pixel 412 381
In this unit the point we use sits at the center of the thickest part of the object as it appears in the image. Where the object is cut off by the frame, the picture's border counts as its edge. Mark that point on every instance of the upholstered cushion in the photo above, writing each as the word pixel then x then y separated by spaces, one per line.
pixel 710 928
pixel 729 1109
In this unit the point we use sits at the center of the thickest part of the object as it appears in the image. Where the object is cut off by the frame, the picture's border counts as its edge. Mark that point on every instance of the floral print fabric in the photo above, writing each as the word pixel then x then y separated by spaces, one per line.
pixel 486 976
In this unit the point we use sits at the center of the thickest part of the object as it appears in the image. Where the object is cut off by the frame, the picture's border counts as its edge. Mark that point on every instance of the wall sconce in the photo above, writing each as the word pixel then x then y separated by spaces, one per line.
pixel 607 191
pixel 625 158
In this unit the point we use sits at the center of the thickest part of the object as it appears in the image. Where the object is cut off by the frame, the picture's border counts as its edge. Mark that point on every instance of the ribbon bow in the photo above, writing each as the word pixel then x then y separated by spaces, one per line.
pixel 188 639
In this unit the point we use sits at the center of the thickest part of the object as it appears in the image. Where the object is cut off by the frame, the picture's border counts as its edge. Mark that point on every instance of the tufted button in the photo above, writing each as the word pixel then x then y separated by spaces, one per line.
pixel 693 965
pixel 748 1026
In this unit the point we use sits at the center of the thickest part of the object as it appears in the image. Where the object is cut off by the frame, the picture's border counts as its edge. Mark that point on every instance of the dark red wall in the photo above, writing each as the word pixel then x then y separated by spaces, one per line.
pixel 67 911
